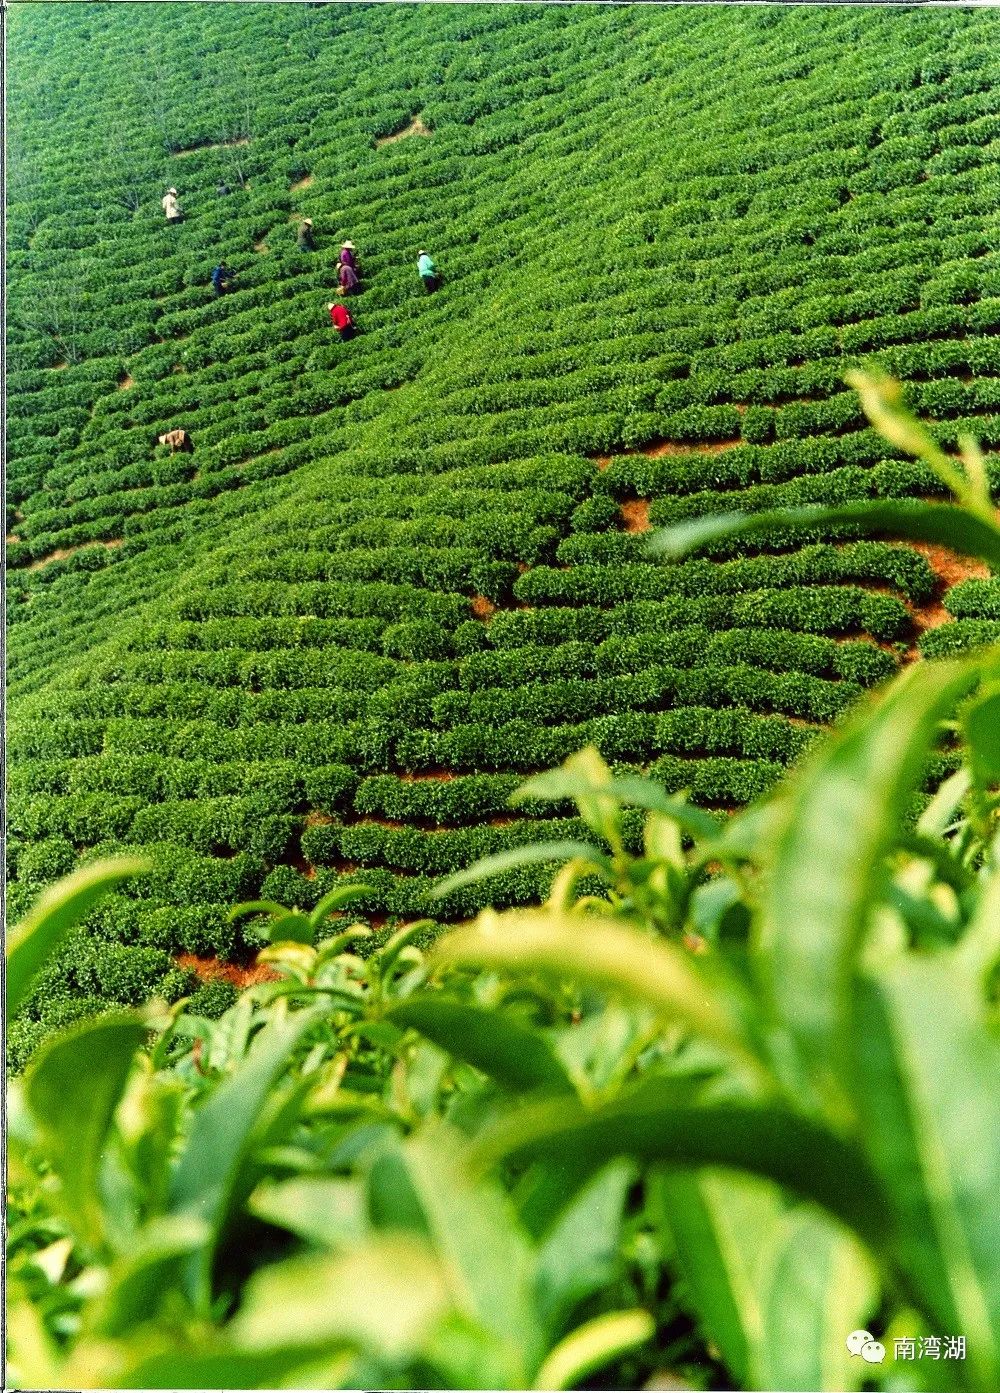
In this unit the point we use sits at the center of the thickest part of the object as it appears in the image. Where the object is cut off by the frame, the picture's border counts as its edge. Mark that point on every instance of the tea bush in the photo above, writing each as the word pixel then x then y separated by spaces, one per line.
pixel 705 1096
pixel 406 558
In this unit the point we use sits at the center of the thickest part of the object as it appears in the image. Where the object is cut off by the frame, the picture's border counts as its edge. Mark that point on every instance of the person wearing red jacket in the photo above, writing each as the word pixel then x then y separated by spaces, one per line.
pixel 340 316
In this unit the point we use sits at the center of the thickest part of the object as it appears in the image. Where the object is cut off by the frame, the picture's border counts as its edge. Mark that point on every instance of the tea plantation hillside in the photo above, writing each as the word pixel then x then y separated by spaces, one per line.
pixel 399 573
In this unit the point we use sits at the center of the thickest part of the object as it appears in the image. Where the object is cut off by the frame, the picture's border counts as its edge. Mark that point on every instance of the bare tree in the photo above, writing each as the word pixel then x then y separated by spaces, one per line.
pixel 236 95
pixel 51 300
pixel 24 185
pixel 126 167
pixel 308 34
pixel 152 82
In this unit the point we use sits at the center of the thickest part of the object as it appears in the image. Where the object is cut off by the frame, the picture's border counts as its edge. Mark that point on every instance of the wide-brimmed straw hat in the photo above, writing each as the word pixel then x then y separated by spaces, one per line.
pixel 173 191
pixel 331 304
pixel 349 245
pixel 307 222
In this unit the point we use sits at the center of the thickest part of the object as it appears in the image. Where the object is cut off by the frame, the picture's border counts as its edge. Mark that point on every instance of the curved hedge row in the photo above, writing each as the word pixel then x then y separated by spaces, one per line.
pixel 406 555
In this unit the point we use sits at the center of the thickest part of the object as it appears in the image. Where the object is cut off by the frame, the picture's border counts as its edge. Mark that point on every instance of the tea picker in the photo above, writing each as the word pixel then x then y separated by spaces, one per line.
pixel 347 256
pixel 177 440
pixel 428 271
pixel 171 208
pixel 305 237
pixel 348 278
pixel 340 317
pixel 220 275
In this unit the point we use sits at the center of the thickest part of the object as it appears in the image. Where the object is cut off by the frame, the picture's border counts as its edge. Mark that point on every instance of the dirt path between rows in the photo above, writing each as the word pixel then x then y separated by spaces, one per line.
pixel 635 514
pixel 416 127
pixel 949 569
pixel 214 970
pixel 219 145
pixel 61 553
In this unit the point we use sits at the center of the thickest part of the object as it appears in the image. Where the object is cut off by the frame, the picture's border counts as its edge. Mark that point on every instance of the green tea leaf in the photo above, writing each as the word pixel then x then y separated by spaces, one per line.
pixel 580 1253
pixel 383 1298
pixel 326 1210
pixel 215 1364
pixel 49 920
pixel 137 1282
pixel 925 1081
pixel 509 1052
pixel 536 854
pixel 650 1124
pixel 776 1285
pixel 270 907
pixel 937 817
pixel 913 519
pixel 335 899
pixel 593 1345
pixel 609 957
pixel 586 779
pixel 73 1090
pixel 842 811
pixel 488 1259
pixel 981 724
pixel 216 1153
pixel 637 792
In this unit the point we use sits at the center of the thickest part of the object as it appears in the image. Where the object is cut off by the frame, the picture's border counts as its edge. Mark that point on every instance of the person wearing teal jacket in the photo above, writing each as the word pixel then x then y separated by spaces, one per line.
pixel 427 270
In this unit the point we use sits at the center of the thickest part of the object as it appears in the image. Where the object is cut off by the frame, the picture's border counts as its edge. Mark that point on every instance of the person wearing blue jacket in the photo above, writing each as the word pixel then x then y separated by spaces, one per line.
pixel 220 275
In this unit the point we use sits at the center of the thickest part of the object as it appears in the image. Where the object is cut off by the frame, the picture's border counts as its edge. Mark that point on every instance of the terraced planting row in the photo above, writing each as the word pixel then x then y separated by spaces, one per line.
pixel 398 574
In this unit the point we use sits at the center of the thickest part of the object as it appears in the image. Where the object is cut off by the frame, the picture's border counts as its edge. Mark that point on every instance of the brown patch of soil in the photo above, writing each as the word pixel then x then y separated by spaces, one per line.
pixel 668 447
pixel 125 383
pixel 305 868
pixel 261 247
pixel 635 512
pixel 481 607
pixel 61 553
pixel 214 970
pixel 302 184
pixel 675 447
pixel 58 367
pixel 11 537
pixel 949 569
pixel 219 145
pixel 416 127
pixel 178 367
pixel 443 776
pixel 315 818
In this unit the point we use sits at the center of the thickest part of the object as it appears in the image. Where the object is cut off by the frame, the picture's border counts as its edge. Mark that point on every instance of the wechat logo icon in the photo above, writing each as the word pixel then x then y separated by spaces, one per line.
pixel 864 1343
